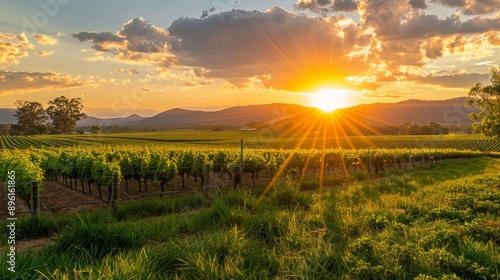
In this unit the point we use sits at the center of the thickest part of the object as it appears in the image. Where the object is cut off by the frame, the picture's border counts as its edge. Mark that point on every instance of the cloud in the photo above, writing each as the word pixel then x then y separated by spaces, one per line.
pixel 395 20
pixel 45 53
pixel 189 84
pixel 147 89
pixel 326 6
pixel 13 47
pixel 407 38
pixel 125 71
pixel 452 80
pixel 138 42
pixel 380 95
pixel 493 38
pixel 45 39
pixel 20 82
pixel 472 7
pixel 418 4
pixel 393 40
pixel 489 62
pixel 467 7
pixel 285 48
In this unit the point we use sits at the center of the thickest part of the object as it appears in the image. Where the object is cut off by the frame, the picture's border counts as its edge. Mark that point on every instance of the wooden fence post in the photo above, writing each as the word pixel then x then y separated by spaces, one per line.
pixel 206 180
pixel 114 192
pixel 35 199
pixel 241 164
pixel 369 161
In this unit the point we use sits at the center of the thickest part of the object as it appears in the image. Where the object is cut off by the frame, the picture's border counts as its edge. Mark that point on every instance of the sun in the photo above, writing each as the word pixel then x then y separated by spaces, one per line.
pixel 329 100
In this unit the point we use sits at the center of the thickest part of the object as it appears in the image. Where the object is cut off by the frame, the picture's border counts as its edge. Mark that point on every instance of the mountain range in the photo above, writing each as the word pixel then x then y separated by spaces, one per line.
pixel 451 111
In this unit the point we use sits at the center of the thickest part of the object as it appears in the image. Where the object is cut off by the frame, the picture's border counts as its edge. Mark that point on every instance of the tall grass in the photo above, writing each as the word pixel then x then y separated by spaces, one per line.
pixel 440 222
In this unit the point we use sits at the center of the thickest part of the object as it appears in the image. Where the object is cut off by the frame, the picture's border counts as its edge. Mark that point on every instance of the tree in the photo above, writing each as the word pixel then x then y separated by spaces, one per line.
pixel 487 101
pixel 433 128
pixel 42 129
pixel 4 129
pixel 96 129
pixel 30 115
pixel 65 113
pixel 407 128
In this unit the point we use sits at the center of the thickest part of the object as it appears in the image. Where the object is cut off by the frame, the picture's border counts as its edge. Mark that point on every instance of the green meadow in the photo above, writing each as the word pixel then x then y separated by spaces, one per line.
pixel 435 221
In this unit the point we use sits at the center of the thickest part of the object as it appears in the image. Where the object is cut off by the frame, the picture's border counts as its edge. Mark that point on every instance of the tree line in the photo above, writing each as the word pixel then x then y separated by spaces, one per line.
pixel 32 118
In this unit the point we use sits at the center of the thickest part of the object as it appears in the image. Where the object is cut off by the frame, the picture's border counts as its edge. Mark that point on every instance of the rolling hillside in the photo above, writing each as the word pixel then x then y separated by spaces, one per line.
pixel 451 111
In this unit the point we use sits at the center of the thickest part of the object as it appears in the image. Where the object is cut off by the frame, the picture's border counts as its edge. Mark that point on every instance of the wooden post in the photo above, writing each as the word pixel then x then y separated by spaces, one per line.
pixel 35 199
pixel 114 192
pixel 369 161
pixel 206 176
pixel 241 163
pixel 206 180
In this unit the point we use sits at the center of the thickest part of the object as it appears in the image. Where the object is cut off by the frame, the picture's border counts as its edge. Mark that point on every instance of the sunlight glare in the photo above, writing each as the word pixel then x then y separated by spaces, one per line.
pixel 330 99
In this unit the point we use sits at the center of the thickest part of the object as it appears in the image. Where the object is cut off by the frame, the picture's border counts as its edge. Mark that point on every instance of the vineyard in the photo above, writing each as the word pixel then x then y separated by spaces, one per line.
pixel 20 142
pixel 87 167
pixel 420 214
pixel 256 139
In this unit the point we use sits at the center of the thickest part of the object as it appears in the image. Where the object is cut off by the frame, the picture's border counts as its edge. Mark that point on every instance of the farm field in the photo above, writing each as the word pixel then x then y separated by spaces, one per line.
pixel 434 221
pixel 235 140
pixel 257 139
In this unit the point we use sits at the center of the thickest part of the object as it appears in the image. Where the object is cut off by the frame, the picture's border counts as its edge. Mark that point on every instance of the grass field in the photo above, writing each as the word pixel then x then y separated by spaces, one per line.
pixel 256 139
pixel 437 221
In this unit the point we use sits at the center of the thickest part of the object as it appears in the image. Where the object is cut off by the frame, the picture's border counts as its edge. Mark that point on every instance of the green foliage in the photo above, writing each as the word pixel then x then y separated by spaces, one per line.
pixel 26 171
pixel 97 239
pixel 487 100
pixel 30 117
pixel 440 222
pixel 134 210
pixel 286 194
pixel 96 129
pixel 65 113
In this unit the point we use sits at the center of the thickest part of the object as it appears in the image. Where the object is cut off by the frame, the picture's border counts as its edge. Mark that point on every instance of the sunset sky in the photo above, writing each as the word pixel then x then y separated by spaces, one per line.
pixel 125 57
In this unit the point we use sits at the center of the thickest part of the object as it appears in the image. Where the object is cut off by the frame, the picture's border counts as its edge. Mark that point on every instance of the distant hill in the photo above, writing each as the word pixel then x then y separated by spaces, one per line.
pixel 7 116
pixel 451 111
pixel 90 121
pixel 234 116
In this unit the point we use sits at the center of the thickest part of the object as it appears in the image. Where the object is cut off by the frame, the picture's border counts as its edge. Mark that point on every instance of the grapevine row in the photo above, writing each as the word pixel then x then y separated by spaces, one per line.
pixel 97 164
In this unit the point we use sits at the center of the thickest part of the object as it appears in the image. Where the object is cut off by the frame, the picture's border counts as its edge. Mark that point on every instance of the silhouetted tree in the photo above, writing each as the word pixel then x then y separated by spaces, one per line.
pixel 30 115
pixel 65 113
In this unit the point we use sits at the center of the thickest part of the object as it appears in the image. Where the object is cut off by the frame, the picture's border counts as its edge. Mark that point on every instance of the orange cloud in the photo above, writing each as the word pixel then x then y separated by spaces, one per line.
pixel 13 47
pixel 45 39
pixel 45 53
pixel 20 82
